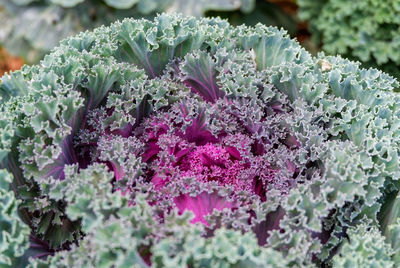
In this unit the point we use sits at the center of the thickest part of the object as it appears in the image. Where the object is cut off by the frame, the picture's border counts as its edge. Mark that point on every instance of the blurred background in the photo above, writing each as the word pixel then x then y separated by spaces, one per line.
pixel 363 30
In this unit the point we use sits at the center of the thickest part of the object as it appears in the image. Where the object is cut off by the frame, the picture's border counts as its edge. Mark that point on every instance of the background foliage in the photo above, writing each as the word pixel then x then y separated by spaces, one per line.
pixel 367 31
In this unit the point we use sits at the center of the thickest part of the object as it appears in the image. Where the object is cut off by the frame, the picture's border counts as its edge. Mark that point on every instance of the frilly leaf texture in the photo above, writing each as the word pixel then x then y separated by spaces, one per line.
pixel 14 232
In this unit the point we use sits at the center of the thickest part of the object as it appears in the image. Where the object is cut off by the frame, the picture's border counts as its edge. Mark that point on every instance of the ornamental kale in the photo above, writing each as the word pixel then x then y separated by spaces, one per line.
pixel 364 30
pixel 182 142
pixel 31 28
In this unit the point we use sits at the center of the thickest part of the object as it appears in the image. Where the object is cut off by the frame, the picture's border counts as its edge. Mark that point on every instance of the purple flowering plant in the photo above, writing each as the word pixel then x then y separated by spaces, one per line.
pixel 184 142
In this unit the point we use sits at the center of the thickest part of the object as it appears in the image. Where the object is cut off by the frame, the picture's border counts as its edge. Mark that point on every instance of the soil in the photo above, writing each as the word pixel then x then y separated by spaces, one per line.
pixel 303 35
pixel 9 63
pixel 288 6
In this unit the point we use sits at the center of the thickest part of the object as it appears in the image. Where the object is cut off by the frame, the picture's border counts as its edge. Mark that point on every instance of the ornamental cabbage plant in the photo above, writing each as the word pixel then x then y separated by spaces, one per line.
pixel 367 31
pixel 31 28
pixel 184 142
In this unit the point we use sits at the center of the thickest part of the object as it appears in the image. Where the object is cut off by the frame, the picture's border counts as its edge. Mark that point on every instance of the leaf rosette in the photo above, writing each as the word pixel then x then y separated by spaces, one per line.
pixel 182 142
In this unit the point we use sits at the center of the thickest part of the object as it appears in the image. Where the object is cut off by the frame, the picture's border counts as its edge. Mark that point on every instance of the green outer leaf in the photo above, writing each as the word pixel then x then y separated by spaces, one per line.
pixel 14 233
pixel 366 247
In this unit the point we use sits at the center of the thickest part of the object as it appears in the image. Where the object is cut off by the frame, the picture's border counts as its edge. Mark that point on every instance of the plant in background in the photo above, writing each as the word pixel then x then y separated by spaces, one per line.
pixel 192 143
pixel 269 12
pixel 31 28
pixel 363 30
